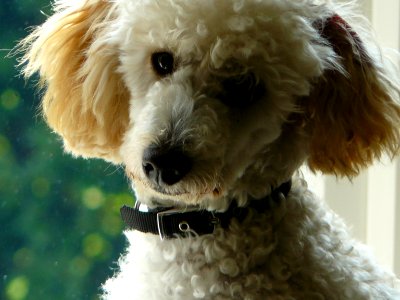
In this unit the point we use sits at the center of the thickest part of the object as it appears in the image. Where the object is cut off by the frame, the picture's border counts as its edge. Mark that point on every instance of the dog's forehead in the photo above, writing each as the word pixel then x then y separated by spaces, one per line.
pixel 212 33
pixel 181 20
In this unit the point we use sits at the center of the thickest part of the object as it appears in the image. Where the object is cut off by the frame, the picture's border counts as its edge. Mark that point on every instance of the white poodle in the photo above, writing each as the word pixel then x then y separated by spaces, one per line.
pixel 212 106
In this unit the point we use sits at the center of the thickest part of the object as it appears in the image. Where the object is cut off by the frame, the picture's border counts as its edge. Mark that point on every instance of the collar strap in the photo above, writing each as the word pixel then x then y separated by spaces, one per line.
pixel 175 222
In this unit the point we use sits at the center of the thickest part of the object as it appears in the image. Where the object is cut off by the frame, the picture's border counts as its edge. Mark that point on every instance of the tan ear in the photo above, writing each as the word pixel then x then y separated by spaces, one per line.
pixel 85 100
pixel 352 115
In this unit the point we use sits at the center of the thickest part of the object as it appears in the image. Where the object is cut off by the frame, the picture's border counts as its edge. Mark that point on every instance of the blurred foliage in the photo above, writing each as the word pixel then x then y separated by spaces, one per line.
pixel 61 230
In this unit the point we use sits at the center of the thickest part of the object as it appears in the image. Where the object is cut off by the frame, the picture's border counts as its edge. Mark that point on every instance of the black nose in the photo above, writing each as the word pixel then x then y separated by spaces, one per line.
pixel 165 166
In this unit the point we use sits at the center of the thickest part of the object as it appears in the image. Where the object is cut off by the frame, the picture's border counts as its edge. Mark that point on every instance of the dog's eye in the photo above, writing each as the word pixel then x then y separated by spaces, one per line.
pixel 163 63
pixel 241 91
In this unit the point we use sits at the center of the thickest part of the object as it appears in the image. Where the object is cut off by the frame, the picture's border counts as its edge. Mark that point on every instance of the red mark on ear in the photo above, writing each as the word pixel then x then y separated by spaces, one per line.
pixel 340 34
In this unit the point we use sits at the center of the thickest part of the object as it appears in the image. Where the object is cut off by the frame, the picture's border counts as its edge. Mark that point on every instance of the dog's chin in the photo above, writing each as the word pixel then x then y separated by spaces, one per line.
pixel 150 194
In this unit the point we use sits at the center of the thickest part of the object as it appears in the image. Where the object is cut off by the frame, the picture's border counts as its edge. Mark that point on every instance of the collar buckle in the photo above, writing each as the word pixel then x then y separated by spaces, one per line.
pixel 181 225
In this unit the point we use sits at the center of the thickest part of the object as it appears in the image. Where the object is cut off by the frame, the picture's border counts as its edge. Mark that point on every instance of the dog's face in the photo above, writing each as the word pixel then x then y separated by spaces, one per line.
pixel 210 100
pixel 209 95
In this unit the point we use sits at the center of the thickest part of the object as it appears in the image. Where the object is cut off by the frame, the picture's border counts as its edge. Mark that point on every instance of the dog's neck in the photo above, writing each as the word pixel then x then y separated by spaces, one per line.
pixel 175 222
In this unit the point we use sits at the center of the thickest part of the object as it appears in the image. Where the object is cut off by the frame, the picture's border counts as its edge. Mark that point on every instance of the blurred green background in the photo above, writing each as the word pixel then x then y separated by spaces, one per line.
pixel 61 232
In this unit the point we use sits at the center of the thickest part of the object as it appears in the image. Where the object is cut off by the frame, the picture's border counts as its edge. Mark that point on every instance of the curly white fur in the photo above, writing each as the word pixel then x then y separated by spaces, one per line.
pixel 315 89
pixel 298 250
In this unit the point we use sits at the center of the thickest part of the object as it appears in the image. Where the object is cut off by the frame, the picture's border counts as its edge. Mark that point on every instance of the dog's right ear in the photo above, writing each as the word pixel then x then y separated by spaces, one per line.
pixel 85 100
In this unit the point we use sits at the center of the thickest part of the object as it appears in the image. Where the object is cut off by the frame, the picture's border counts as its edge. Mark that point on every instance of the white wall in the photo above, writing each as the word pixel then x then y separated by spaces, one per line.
pixel 371 202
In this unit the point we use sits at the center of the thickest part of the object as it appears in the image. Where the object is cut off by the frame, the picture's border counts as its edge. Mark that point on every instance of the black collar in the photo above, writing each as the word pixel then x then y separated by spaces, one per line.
pixel 175 222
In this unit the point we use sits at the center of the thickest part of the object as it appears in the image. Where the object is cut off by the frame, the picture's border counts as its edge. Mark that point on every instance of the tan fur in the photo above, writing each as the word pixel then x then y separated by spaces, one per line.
pixel 353 117
pixel 85 100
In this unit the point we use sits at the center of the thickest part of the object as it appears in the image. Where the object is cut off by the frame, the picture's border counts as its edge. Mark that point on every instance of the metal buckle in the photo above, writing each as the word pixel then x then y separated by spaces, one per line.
pixel 184 226
pixel 215 220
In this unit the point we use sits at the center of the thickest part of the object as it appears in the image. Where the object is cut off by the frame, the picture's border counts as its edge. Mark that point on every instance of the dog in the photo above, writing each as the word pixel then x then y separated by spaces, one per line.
pixel 212 107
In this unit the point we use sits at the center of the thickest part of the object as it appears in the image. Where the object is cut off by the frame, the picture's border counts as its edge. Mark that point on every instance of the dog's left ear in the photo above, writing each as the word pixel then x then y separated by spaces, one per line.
pixel 351 114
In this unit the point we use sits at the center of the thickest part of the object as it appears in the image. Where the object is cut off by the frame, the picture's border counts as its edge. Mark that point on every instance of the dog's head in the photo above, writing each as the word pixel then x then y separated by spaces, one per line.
pixel 213 100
